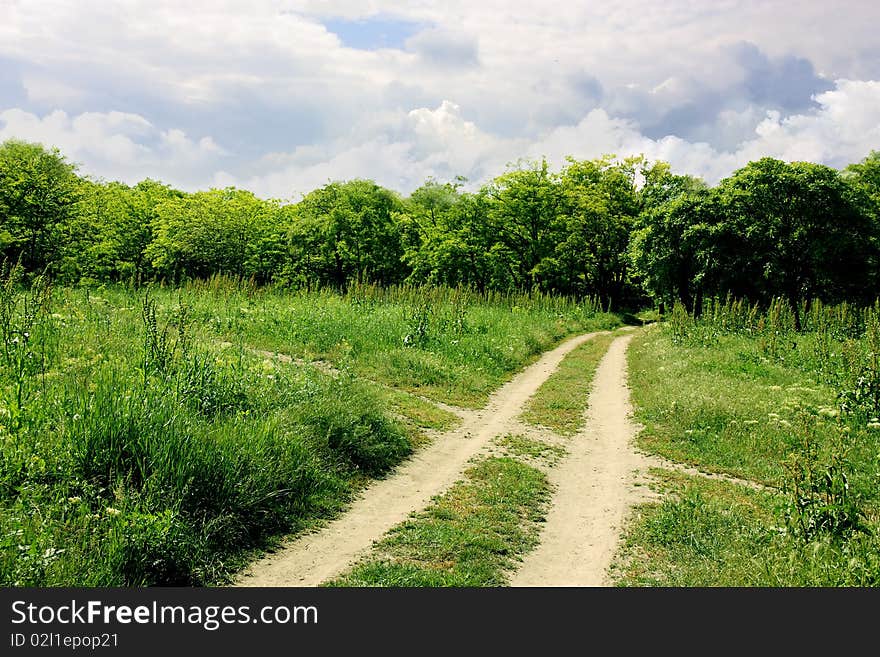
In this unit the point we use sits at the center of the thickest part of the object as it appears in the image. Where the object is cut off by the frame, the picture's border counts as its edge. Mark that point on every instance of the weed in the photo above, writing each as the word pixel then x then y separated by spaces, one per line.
pixel 23 323
pixel 418 325
pixel 817 483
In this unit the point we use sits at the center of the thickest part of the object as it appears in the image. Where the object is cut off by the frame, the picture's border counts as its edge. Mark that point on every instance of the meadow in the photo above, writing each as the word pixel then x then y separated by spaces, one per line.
pixel 164 436
pixel 794 413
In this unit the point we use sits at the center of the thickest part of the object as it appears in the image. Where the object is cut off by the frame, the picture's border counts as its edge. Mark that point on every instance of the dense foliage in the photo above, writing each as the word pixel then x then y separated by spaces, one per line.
pixel 626 231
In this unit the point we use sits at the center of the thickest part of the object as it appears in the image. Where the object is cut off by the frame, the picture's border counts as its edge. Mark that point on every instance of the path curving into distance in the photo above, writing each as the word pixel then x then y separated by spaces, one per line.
pixel 594 487
pixel 312 559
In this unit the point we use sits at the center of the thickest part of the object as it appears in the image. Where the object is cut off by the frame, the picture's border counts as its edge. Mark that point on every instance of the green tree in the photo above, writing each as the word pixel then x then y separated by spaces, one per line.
pixel 447 240
pixel 207 233
pixel 599 203
pixel 39 193
pixel 866 174
pixel 522 212
pixel 794 230
pixel 108 238
pixel 673 248
pixel 671 245
pixel 344 232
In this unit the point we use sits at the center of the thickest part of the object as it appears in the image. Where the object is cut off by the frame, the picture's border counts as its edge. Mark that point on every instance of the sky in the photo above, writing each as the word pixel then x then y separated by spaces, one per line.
pixel 283 96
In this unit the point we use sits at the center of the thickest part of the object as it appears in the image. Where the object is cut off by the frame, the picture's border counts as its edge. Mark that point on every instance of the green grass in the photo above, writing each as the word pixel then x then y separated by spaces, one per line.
pixel 416 414
pixel 723 407
pixel 131 456
pixel 714 533
pixel 473 535
pixel 736 402
pixel 560 402
pixel 531 450
pixel 447 345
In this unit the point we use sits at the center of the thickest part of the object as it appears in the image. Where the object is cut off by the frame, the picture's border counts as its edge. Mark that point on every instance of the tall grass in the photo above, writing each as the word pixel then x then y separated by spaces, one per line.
pixel 838 345
pixel 740 390
pixel 147 437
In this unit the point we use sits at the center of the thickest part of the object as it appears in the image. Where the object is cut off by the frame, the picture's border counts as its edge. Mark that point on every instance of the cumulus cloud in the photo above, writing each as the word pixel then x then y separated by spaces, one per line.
pixel 408 148
pixel 150 87
pixel 117 145
pixel 401 149
pixel 440 143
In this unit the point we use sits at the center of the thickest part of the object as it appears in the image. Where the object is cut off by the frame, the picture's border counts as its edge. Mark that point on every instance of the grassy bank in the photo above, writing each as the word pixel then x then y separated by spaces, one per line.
pixel 743 393
pixel 714 533
pixel 146 438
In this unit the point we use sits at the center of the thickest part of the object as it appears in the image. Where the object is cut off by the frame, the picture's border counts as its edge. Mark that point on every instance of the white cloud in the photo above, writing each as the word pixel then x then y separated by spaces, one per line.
pixel 400 150
pixel 440 143
pixel 138 87
pixel 117 145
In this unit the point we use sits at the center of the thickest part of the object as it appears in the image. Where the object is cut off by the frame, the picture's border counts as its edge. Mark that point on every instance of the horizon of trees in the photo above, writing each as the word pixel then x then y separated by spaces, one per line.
pixel 628 231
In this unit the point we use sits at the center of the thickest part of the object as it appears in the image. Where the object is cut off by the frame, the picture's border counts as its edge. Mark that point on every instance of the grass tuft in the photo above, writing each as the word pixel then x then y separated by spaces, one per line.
pixel 473 535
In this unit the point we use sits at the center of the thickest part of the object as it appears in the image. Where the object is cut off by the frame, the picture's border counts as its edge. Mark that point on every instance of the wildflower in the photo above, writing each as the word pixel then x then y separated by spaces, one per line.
pixel 76 499
pixel 111 511
pixel 51 553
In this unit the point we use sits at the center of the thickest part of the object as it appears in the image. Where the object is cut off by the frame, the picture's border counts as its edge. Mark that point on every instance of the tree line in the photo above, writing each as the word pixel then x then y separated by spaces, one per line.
pixel 626 230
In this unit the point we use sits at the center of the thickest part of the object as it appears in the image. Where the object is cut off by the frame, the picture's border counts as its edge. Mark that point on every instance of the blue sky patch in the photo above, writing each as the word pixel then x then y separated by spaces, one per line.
pixel 373 33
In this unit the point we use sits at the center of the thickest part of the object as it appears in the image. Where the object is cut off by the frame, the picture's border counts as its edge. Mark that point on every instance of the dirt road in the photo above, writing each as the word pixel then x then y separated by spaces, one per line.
pixel 594 487
pixel 314 558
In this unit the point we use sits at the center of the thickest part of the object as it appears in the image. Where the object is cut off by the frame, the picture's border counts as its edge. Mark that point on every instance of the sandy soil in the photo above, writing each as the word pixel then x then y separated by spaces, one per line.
pixel 595 487
pixel 314 558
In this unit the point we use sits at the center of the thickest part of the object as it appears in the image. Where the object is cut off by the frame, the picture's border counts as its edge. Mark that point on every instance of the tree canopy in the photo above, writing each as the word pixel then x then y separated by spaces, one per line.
pixel 628 231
